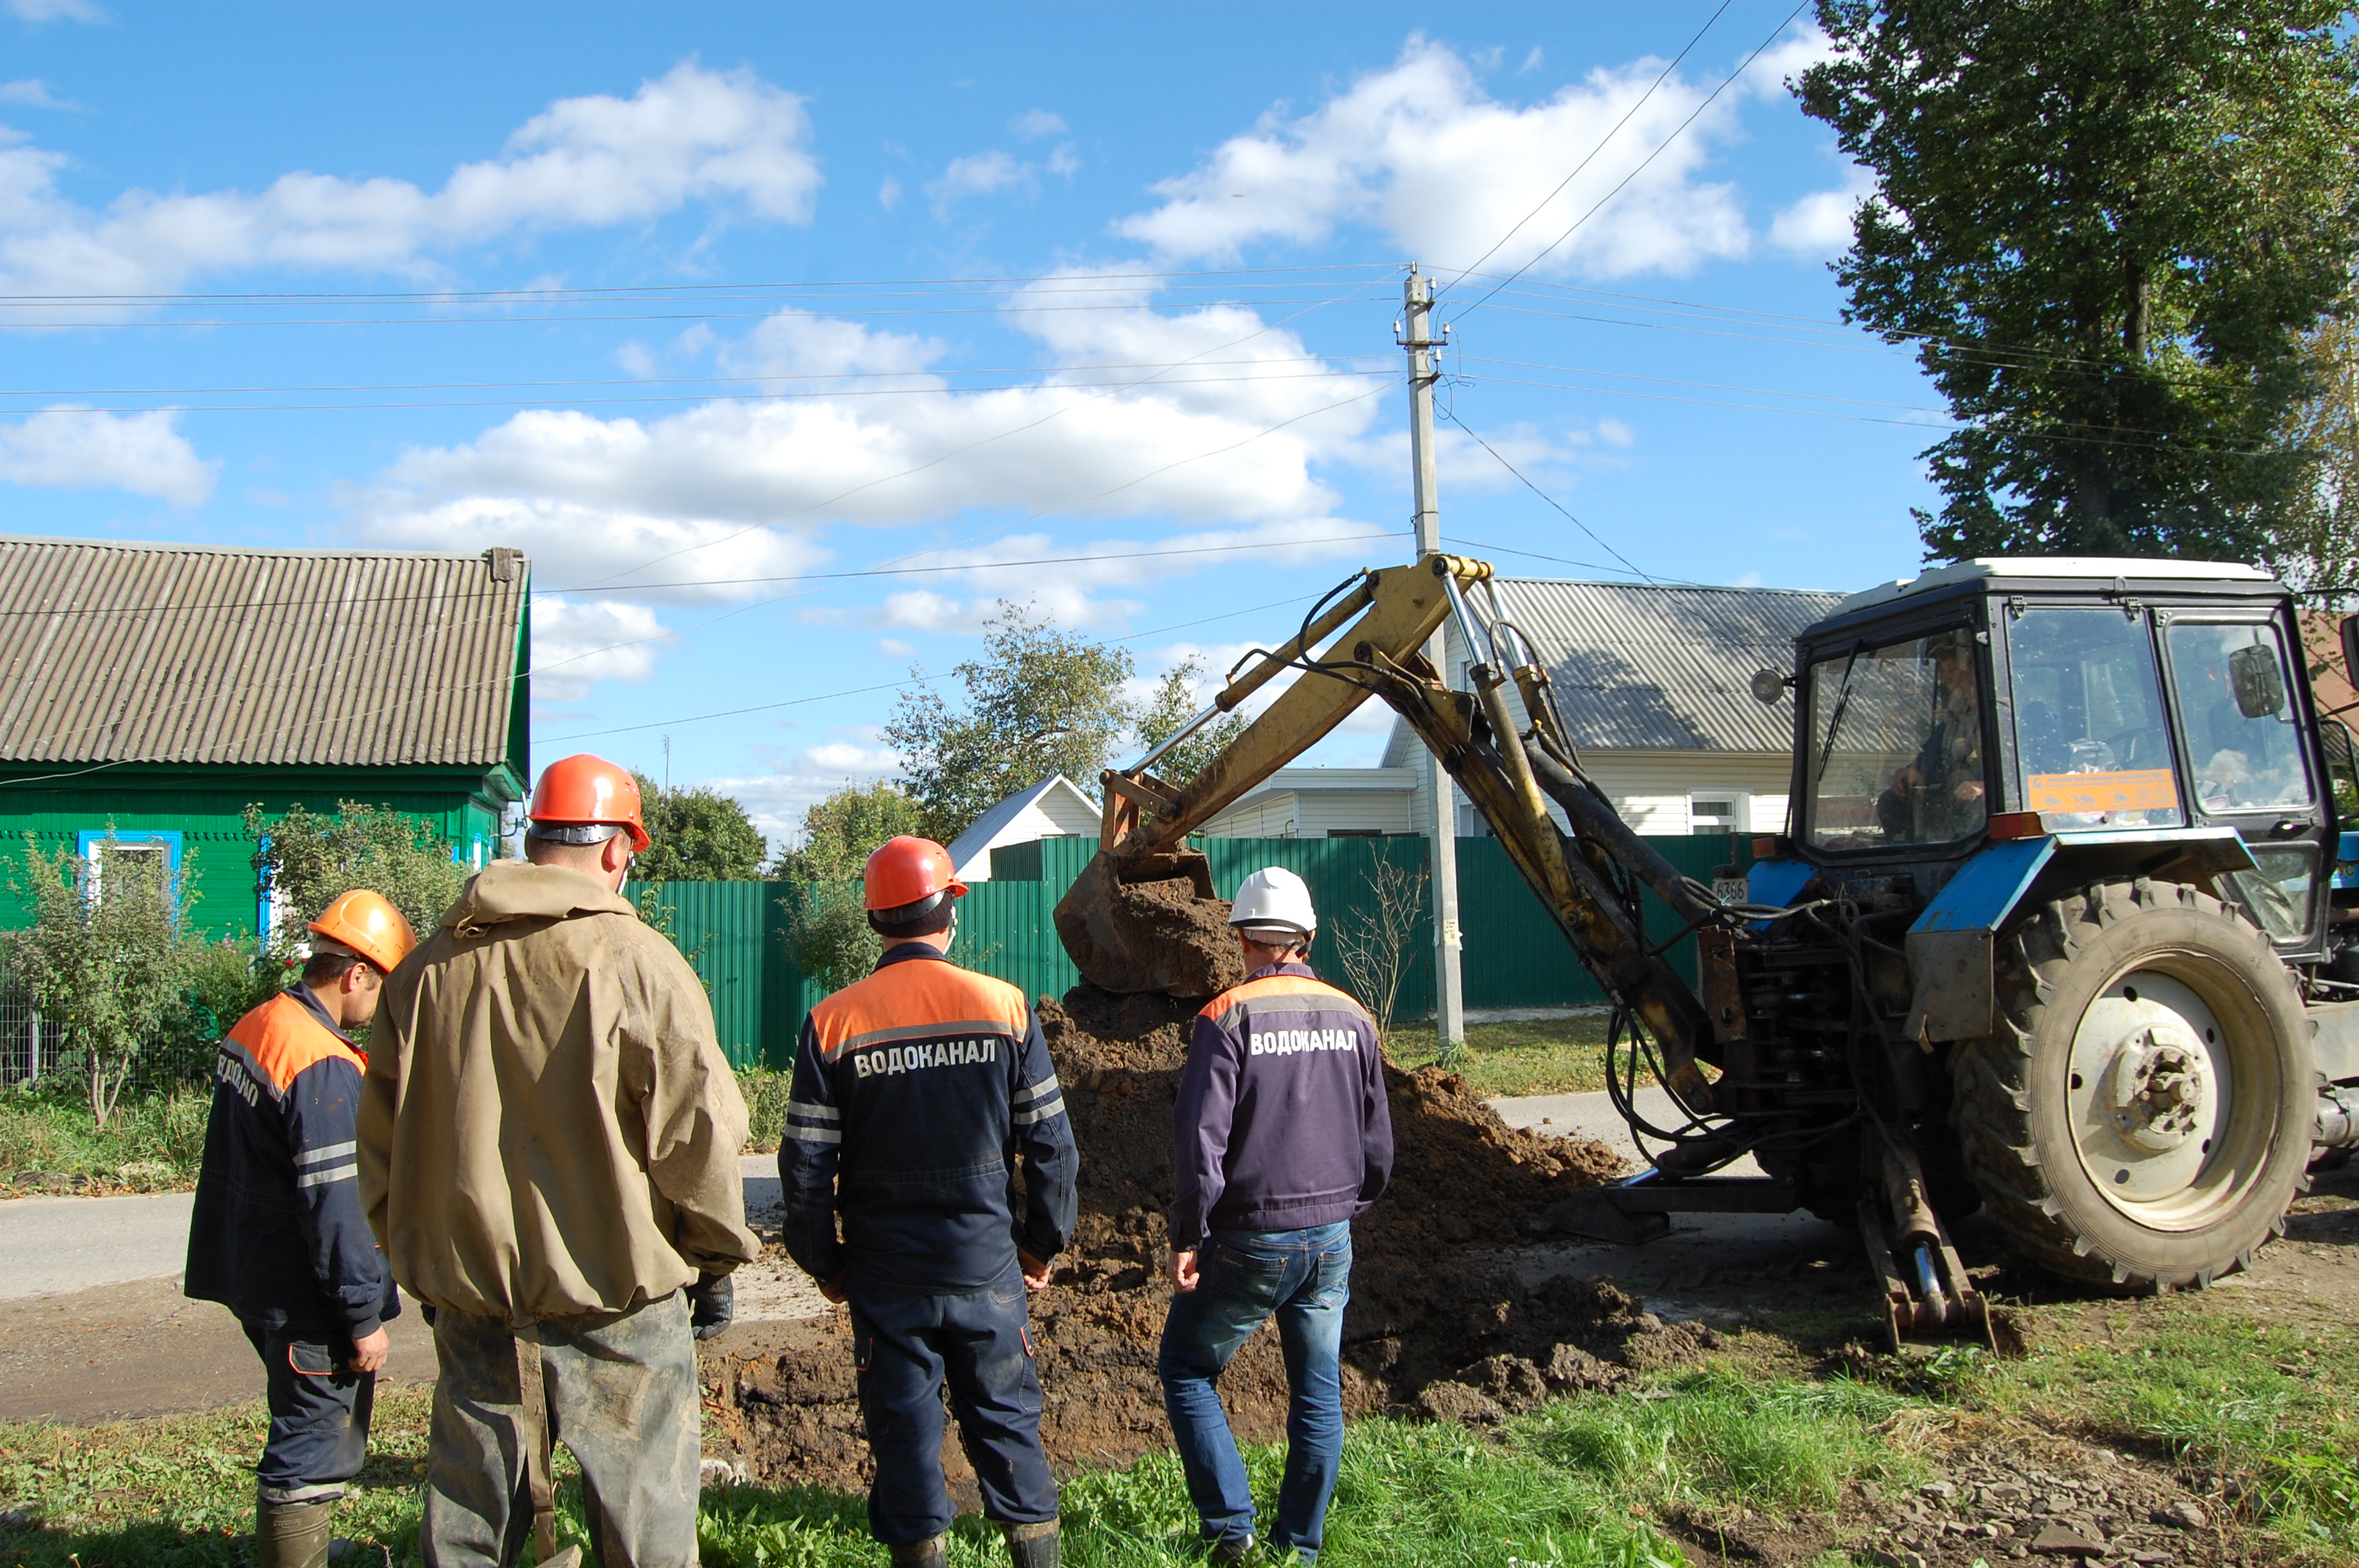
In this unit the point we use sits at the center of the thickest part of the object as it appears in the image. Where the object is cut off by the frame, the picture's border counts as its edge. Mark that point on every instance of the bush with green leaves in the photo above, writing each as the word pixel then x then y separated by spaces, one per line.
pixel 827 924
pixel 698 834
pixel 109 956
pixel 307 858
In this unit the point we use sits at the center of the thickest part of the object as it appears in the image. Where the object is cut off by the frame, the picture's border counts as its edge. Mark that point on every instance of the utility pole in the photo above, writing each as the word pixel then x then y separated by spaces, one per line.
pixel 1441 826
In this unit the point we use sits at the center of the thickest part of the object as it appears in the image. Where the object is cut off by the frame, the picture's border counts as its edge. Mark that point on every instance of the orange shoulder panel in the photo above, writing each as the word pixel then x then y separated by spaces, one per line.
pixel 914 994
pixel 1270 985
pixel 282 1038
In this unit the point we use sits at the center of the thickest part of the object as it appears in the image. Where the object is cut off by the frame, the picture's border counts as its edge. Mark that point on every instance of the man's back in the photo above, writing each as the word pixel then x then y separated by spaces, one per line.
pixel 911 1090
pixel 548 1128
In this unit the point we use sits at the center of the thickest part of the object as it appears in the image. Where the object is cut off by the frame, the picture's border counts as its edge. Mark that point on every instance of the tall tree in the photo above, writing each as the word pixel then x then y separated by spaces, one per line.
pixel 2104 227
pixel 2318 542
pixel 1174 702
pixel 840 831
pixel 699 836
pixel 1040 701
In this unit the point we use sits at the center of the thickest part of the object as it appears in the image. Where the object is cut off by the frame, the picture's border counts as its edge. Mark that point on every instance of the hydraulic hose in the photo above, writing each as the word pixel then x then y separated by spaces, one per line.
pixel 1594 820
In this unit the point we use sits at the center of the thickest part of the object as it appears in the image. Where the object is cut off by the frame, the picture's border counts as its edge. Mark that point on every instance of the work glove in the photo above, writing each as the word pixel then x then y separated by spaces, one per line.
pixel 712 1301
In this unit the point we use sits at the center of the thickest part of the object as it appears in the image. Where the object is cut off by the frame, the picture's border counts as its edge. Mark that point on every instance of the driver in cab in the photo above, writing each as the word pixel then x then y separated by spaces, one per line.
pixel 1938 795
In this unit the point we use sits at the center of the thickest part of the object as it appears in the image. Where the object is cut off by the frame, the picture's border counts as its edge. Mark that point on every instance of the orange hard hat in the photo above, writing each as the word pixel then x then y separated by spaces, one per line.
pixel 370 926
pixel 906 871
pixel 586 791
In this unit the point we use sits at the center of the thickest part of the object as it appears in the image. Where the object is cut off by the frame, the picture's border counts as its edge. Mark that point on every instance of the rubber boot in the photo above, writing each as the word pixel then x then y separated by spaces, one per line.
pixel 934 1553
pixel 1034 1545
pixel 292 1535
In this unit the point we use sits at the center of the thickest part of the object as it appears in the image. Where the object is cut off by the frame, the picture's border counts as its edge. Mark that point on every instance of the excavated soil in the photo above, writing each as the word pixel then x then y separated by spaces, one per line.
pixel 1148 936
pixel 1438 1323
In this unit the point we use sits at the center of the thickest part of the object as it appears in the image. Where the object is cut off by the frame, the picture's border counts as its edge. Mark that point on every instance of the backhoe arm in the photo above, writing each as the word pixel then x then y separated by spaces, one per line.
pixel 1147 820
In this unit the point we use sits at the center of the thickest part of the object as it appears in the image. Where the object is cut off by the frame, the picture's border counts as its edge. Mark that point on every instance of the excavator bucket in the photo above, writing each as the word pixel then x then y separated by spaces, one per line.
pixel 1149 924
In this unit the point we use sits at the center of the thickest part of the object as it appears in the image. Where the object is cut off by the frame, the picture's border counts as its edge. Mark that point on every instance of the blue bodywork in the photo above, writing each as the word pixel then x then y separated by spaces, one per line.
pixel 2346 861
pixel 1993 881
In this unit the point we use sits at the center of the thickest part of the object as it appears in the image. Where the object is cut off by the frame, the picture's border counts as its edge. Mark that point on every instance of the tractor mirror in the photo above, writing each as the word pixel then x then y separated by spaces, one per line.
pixel 2260 685
pixel 1768 686
pixel 2351 648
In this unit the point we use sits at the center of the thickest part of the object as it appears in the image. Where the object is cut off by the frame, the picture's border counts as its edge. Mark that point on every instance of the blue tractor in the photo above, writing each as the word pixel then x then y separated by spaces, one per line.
pixel 2061 927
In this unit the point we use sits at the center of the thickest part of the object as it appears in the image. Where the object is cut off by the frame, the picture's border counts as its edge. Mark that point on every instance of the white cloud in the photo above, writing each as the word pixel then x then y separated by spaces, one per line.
pixel 895 649
pixel 1062 162
pixel 1533 60
pixel 607 550
pixel 32 92
pixel 776 800
pixel 574 647
pixel 1219 454
pixel 690 136
pixel 1819 226
pixel 635 359
pixel 53 10
pixel 1421 152
pixel 86 448
pixel 794 343
pixel 1034 124
pixel 980 174
pixel 1615 433
pixel 889 195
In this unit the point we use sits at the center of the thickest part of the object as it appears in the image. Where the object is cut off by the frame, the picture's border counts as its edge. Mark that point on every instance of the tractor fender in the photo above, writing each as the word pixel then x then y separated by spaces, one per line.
pixel 1950 946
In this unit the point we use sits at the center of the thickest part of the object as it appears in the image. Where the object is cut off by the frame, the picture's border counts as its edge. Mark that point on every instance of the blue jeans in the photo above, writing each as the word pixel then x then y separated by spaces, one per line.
pixel 1304 1277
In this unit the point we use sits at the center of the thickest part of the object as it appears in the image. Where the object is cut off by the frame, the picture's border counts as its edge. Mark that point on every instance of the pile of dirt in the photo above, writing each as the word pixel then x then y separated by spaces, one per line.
pixel 1163 936
pixel 1438 1321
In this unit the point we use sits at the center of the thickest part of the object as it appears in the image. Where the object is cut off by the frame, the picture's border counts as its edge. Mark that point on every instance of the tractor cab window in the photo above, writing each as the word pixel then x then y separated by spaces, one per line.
pixel 2089 730
pixel 2243 741
pixel 1897 743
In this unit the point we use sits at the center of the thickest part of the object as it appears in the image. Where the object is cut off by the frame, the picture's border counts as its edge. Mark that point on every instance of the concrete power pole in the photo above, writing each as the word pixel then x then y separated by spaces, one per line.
pixel 1449 1000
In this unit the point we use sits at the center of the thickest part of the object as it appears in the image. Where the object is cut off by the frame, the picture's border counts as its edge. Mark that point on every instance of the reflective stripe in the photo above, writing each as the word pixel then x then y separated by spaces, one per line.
pixel 817 1112
pixel 322 1178
pixel 326 1151
pixel 814 1134
pixel 1047 1085
pixel 1052 1107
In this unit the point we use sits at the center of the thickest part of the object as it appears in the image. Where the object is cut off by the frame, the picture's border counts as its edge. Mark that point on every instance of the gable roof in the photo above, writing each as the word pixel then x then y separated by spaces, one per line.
pixel 1638 666
pixel 984 832
pixel 193 654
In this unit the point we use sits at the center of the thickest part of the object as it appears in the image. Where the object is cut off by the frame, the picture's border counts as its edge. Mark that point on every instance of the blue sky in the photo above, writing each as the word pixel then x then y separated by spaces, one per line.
pixel 707 308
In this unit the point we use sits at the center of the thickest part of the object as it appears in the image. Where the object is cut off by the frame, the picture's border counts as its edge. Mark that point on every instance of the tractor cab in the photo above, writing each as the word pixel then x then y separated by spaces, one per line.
pixel 2136 716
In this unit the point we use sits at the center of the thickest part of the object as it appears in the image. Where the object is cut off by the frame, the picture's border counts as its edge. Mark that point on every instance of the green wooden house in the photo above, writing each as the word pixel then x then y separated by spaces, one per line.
pixel 155 690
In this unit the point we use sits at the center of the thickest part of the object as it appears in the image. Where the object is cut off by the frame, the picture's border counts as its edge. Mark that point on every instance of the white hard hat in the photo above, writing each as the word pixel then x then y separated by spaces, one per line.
pixel 1274 900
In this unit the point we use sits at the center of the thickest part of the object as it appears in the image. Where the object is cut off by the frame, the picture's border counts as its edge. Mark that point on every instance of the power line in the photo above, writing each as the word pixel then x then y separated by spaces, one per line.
pixel 1451 415
pixel 1592 155
pixel 1713 97
pixel 667 289
pixel 895 685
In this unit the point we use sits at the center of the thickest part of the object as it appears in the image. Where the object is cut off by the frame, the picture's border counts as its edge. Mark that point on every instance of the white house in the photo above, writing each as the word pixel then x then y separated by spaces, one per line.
pixel 1655 684
pixel 1052 808
pixel 1322 802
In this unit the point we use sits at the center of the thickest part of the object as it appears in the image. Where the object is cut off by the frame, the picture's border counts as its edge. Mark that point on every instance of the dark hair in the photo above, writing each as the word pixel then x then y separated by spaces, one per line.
pixel 322 969
pixel 928 915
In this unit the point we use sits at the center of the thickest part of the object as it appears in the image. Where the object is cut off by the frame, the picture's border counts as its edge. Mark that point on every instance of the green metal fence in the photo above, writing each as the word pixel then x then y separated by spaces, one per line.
pixel 734 933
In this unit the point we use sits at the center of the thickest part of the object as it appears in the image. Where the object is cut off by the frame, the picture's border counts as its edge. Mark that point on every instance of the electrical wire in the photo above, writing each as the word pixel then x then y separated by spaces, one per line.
pixel 1591 156
pixel 1451 415
pixel 1660 147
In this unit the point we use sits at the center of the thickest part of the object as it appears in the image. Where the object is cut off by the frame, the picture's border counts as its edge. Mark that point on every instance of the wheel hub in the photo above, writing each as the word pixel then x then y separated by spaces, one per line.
pixel 2148 1094
pixel 2160 1084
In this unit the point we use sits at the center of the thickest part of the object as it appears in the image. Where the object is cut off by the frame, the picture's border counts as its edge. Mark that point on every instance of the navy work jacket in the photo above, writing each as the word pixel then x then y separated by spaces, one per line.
pixel 914 1091
pixel 278 1234
pixel 1281 1122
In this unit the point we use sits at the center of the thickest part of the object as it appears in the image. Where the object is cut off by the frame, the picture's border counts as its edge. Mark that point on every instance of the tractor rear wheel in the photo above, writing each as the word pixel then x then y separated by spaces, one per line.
pixel 2141 1116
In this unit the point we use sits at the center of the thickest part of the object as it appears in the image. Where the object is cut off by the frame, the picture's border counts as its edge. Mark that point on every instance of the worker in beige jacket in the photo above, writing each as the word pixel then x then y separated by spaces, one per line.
pixel 548 1143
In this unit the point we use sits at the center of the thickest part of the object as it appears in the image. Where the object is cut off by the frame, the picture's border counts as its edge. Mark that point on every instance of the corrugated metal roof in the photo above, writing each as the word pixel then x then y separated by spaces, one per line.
pixel 191 654
pixel 1641 668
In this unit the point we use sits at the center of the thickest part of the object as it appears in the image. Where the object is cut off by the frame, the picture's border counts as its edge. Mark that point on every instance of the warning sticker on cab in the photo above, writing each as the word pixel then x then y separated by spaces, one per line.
pixel 2137 789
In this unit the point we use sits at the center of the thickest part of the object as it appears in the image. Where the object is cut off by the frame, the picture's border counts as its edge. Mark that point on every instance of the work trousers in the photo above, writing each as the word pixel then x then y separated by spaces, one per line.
pixel 905 1346
pixel 619 1390
pixel 1244 1277
pixel 319 1416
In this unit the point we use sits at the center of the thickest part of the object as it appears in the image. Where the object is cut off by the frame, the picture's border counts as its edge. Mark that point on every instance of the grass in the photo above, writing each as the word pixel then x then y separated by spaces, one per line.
pixel 1543 1056
pixel 1565 1486
pixel 2248 1411
pixel 150 1144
